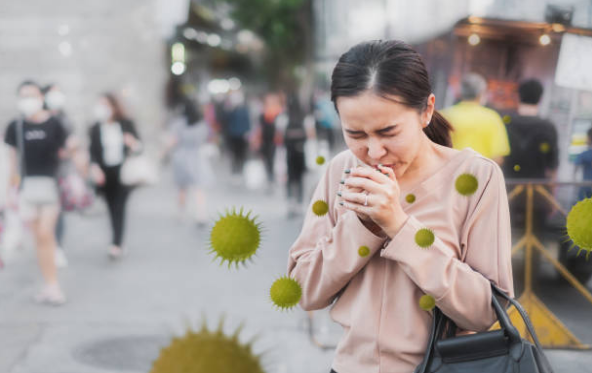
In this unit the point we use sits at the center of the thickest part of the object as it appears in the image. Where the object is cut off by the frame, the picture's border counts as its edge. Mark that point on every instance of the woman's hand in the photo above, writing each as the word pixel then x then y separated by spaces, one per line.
pixel 131 142
pixel 374 194
pixel 97 175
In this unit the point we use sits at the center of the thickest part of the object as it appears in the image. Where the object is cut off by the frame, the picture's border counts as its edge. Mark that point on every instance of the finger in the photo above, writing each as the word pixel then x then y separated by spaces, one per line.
pixel 366 184
pixel 369 173
pixel 357 198
pixel 388 172
pixel 361 209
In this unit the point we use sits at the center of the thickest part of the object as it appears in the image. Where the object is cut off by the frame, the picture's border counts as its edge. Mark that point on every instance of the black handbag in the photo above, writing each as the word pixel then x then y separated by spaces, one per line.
pixel 498 351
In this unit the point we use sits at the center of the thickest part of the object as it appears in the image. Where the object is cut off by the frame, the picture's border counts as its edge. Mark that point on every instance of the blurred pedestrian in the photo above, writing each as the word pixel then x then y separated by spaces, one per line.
pixel 272 108
pixel 191 169
pixel 325 118
pixel 534 152
pixel 36 139
pixel 112 138
pixel 54 102
pixel 238 125
pixel 476 126
pixel 294 140
pixel 584 161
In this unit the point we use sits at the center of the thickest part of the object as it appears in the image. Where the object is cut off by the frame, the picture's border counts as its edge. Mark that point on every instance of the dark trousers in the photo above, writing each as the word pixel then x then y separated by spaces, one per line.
pixel 268 153
pixel 115 195
pixel 238 148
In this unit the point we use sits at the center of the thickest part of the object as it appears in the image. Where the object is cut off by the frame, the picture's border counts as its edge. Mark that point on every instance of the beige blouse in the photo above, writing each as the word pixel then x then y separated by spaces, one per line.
pixel 376 298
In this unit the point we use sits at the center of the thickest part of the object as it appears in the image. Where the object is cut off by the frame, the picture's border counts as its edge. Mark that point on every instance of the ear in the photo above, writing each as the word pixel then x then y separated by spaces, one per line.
pixel 428 113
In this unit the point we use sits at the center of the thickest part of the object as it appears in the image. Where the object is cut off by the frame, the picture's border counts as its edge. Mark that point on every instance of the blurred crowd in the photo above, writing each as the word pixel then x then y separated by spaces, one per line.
pixel 269 141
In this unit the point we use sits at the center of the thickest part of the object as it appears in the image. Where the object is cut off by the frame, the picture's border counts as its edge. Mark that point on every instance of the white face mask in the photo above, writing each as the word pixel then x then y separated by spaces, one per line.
pixel 55 100
pixel 102 112
pixel 30 106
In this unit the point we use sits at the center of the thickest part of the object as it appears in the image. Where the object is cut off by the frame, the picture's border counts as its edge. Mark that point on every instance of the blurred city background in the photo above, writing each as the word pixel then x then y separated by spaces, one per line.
pixel 255 75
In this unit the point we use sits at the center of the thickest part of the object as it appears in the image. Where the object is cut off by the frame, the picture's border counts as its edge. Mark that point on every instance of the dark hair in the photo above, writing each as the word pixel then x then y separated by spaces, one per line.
pixel 28 82
pixel 118 112
pixel 590 133
pixel 191 112
pixel 530 91
pixel 389 68
pixel 48 87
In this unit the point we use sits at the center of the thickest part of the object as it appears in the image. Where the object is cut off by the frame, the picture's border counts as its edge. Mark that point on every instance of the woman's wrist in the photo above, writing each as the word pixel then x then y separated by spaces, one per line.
pixel 396 225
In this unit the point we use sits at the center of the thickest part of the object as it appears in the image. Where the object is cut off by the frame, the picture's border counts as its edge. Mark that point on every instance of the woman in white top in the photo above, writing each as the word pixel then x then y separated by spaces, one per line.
pixel 112 138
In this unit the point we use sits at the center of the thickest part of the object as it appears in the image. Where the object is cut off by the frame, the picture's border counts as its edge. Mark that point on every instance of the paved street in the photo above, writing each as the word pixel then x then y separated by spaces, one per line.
pixel 119 314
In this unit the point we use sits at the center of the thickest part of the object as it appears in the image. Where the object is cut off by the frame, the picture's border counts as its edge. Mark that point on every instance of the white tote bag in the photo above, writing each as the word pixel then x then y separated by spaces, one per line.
pixel 139 170
pixel 254 174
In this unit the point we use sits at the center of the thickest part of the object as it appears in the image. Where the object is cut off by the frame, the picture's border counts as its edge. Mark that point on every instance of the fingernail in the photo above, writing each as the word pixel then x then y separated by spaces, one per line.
pixel 342 181
pixel 341 203
pixel 380 165
pixel 339 194
pixel 347 171
pixel 384 173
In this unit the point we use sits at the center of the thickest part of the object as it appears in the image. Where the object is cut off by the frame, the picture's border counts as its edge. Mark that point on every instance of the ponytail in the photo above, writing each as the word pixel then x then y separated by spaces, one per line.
pixel 439 130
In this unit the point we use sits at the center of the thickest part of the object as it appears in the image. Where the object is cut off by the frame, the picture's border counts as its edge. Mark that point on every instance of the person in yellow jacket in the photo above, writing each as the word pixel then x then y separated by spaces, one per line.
pixel 476 126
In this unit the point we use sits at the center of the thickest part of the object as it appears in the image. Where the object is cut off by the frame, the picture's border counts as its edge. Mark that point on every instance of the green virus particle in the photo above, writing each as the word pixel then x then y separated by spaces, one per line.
pixel 507 119
pixel 285 292
pixel 320 160
pixel 235 237
pixel 579 226
pixel 364 251
pixel 517 168
pixel 207 352
pixel 466 184
pixel 410 198
pixel 320 208
pixel 427 302
pixel 544 147
pixel 424 238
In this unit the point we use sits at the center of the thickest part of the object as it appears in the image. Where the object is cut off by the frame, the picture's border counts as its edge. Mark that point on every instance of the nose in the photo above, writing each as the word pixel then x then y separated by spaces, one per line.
pixel 375 149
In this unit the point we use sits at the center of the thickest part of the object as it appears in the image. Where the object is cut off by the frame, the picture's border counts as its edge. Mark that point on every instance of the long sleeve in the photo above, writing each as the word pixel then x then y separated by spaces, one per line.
pixel 461 286
pixel 325 256
pixel 95 146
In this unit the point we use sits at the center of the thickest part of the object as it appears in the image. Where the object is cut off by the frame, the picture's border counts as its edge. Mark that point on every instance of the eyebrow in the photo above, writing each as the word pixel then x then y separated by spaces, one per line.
pixel 380 131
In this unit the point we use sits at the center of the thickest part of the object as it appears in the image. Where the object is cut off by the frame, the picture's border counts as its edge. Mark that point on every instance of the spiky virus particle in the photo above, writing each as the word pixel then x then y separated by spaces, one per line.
pixel 320 160
pixel 235 237
pixel 517 168
pixel 544 147
pixel 427 302
pixel 285 292
pixel 410 198
pixel 207 352
pixel 507 119
pixel 364 251
pixel 424 238
pixel 320 208
pixel 579 226
pixel 466 184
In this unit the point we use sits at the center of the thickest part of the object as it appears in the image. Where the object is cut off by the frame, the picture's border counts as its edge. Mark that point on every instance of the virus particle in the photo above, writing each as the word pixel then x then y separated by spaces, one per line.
pixel 410 198
pixel 235 237
pixel 544 147
pixel 320 160
pixel 579 226
pixel 285 292
pixel 507 119
pixel 364 251
pixel 427 302
pixel 320 208
pixel 207 352
pixel 424 238
pixel 517 168
pixel 466 184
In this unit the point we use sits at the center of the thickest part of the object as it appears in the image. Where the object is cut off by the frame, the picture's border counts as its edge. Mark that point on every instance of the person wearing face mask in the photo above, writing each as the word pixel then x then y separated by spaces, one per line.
pixel 112 138
pixel 400 221
pixel 54 103
pixel 37 139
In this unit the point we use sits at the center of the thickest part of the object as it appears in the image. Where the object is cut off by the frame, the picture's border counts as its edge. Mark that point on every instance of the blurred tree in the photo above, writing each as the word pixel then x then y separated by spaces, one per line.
pixel 286 28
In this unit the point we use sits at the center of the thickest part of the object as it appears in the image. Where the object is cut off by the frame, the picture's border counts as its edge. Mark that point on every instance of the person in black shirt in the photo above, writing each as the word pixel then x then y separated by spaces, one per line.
pixel 534 152
pixel 36 139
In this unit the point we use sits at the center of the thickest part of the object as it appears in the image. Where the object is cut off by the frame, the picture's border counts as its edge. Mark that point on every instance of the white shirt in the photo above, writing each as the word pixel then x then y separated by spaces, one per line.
pixel 112 142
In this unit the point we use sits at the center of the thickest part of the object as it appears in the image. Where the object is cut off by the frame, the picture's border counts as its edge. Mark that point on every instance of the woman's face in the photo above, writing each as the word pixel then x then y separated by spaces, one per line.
pixel 381 131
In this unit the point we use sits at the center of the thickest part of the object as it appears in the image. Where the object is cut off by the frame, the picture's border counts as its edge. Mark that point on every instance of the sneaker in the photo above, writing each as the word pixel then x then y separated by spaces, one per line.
pixel 60 258
pixel 115 252
pixel 51 295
